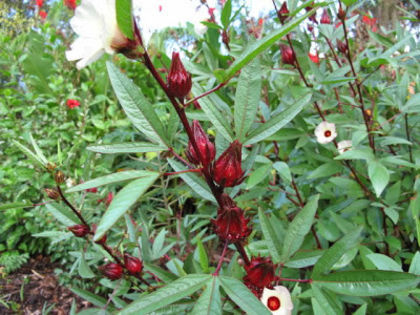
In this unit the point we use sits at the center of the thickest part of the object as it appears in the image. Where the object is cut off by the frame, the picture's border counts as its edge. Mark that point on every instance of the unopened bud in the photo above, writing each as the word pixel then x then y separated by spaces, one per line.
pixel 227 171
pixel 205 146
pixel 133 264
pixel 342 47
pixel 341 14
pixel 179 80
pixel 52 193
pixel 79 230
pixel 51 166
pixel 325 18
pixel 287 55
pixel 112 271
pixel 283 13
pixel 59 177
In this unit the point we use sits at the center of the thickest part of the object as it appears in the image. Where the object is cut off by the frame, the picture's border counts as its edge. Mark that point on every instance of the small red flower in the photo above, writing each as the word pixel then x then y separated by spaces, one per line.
pixel 42 14
pixel 112 271
pixel 231 223
pixel 370 22
pixel 314 57
pixel 227 170
pixel 72 103
pixel 133 264
pixel 260 273
pixel 287 55
pixel 71 4
pixel 260 21
pixel 79 230
pixel 179 80
pixel 325 18
pixel 206 148
pixel 39 3
pixel 160 8
pixel 283 13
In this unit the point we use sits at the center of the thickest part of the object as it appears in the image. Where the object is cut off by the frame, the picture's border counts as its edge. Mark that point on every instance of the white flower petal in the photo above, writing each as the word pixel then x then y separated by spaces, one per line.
pixel 325 132
pixel 88 19
pixel 89 59
pixel 283 294
pixel 344 146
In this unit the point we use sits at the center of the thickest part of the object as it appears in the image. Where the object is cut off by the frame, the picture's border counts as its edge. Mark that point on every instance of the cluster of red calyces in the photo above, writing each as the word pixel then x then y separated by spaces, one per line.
pixel 115 271
pixel 260 273
pixel 205 146
pixel 231 224
pixel 178 80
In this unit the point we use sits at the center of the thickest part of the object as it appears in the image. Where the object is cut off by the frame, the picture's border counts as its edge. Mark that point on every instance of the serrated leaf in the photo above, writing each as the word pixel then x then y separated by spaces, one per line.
pixel 379 176
pixel 278 121
pixel 335 252
pixel 298 228
pixel 138 110
pixel 122 201
pixel 166 295
pixel 258 176
pixel 367 282
pixel 124 17
pixel 210 301
pixel 284 171
pixel 242 297
pixel 247 98
pixel 135 147
pixel 271 239
pixel 111 179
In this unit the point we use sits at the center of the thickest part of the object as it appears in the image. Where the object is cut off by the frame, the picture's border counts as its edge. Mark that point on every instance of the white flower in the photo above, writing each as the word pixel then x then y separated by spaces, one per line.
pixel 278 301
pixel 344 146
pixel 95 22
pixel 325 132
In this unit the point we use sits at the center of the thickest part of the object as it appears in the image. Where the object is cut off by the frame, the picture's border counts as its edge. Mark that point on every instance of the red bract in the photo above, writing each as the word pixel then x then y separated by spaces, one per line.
pixel 39 3
pixel 179 80
pixel 112 271
pixel 370 22
pixel 79 230
pixel 133 264
pixel 42 14
pixel 283 13
pixel 71 4
pixel 287 55
pixel 342 46
pixel 260 273
pixel 72 103
pixel 227 170
pixel 205 147
pixel 231 223
pixel 314 57
pixel 325 18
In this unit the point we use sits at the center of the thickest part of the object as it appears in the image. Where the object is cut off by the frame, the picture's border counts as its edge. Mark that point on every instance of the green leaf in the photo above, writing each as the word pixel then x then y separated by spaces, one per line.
pixel 84 269
pixel 263 44
pixel 258 175
pixel 384 262
pixel 124 17
pixel 160 273
pixel 209 302
pixel 247 98
pixel 349 2
pixel 335 252
pixel 379 176
pixel 111 179
pixel 226 13
pixel 136 147
pixel 367 282
pixel 242 297
pixel 284 171
pixel 278 121
pixel 29 153
pixel 325 170
pixel 138 110
pixel 202 255
pixel 298 228
pixel 415 264
pixel 328 304
pixel 194 181
pixel 63 215
pixel 122 201
pixel 170 293
pixel 38 151
pixel 90 297
pixel 273 243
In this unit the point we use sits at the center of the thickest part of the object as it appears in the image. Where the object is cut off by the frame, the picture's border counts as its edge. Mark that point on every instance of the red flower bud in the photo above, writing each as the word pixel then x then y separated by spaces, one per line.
pixel 59 177
pixel 42 14
pixel 52 193
pixel 206 148
pixel 39 3
pixel 112 271
pixel 283 13
pixel 72 103
pixel 179 80
pixel 325 18
pixel 71 4
pixel 227 171
pixel 231 223
pixel 79 230
pixel 341 14
pixel 287 55
pixel 260 273
pixel 133 264
pixel 342 47
pixel 92 190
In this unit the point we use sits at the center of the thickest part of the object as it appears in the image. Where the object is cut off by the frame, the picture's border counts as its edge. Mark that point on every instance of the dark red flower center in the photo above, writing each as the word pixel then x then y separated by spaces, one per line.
pixel 273 303
pixel 327 133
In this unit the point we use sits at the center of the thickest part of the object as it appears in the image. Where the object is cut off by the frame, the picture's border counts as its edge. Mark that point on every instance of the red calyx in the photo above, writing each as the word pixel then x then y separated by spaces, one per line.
pixel 79 230
pixel 283 13
pixel 72 103
pixel 227 170
pixel 314 57
pixel 102 241
pixel 179 80
pixel 287 55
pixel 325 18
pixel 260 273
pixel 205 146
pixel 313 16
pixel 341 14
pixel 231 224
pixel 342 47
pixel 112 271
pixel 71 4
pixel 133 264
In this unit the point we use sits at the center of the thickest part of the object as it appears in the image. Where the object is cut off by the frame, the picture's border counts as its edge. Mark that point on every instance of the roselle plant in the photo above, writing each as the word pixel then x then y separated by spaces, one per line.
pixel 302 173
